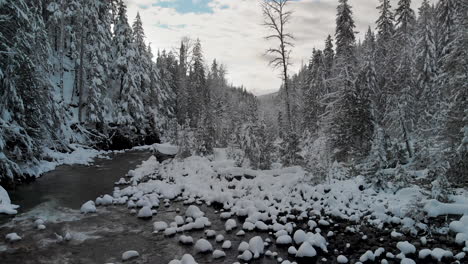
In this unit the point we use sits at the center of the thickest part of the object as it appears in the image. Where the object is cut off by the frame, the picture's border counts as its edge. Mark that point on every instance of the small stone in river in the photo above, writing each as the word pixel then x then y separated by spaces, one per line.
pixel 131 254
pixel 12 237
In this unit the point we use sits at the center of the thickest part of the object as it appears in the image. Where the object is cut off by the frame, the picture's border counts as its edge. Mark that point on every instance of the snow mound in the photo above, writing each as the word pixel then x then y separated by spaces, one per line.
pixel 5 203
pixel 160 226
pixel 88 207
pixel 342 259
pixel 166 149
pixel 186 259
pixel 145 212
pixel 12 237
pixel 461 228
pixel 256 246
pixel 406 247
pixel 434 208
pixel 306 251
pixel 194 212
pixel 218 254
pixel 203 246
pixel 131 254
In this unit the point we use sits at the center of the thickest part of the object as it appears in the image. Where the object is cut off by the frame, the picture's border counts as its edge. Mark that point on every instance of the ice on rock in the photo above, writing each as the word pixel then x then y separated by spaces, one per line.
pixel 226 244
pixel 230 224
pixel 256 246
pixel 145 212
pixel 306 251
pixel 12 237
pixel 88 207
pixel 342 259
pixel 284 240
pixel 299 236
pixel 186 240
pixel 160 226
pixel 203 246
pixel 131 254
pixel 218 254
pixel 246 256
pixel 406 248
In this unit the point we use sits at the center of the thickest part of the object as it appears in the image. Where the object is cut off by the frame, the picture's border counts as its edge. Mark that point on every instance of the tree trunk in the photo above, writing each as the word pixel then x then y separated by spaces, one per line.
pixel 81 71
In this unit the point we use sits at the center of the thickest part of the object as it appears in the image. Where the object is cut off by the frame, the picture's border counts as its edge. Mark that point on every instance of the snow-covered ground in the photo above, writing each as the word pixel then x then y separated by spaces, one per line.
pixel 279 200
pixel 206 210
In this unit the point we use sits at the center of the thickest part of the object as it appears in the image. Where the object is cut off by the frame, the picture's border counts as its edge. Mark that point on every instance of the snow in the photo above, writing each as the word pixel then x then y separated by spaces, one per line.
pixel 226 244
pixel 434 208
pixel 407 261
pixel 306 250
pixel 284 240
pixel 186 259
pixel 256 246
pixel 243 246
pixel 342 259
pixel 219 238
pixel 105 200
pixel 12 237
pixel 88 207
pixel 166 149
pixel 5 203
pixel 203 246
pixel 186 240
pixel 406 248
pixel 461 229
pixel 160 226
pixel 131 254
pixel 194 212
pixel 145 212
pixel 299 236
pixel 218 254
pixel 246 256
pixel 230 224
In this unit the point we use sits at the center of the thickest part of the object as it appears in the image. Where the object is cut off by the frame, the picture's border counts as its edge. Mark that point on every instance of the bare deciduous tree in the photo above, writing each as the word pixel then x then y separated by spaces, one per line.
pixel 276 17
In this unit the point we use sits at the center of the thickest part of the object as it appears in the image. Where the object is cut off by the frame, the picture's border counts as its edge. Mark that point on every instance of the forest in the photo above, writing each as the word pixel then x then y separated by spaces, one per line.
pixel 367 141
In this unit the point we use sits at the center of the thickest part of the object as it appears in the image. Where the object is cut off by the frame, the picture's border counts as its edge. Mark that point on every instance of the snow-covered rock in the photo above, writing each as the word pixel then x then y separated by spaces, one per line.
pixel 306 250
pixel 194 212
pixel 218 254
pixel 131 254
pixel 299 236
pixel 256 246
pixel 160 226
pixel 342 259
pixel 203 246
pixel 219 238
pixel 186 240
pixel 105 200
pixel 246 256
pixel 407 261
pixel 186 259
pixel 230 224
pixel 226 244
pixel 243 246
pixel 406 248
pixel 12 237
pixel 145 212
pixel 88 207
pixel 284 240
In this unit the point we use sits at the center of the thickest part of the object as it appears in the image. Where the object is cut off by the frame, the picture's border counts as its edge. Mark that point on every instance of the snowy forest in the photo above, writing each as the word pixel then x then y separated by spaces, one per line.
pixel 361 156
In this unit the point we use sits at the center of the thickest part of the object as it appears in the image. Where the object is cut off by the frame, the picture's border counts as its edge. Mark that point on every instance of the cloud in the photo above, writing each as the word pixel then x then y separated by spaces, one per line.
pixel 231 31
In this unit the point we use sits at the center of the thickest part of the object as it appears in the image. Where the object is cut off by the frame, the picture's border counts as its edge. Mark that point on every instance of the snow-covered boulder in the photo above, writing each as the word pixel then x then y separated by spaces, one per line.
pixel 284 240
pixel 160 226
pixel 5 203
pixel 194 212
pixel 131 254
pixel 306 251
pixel 12 237
pixel 145 212
pixel 342 259
pixel 218 254
pixel 105 200
pixel 256 246
pixel 203 246
pixel 226 244
pixel 88 207
pixel 230 224
pixel 186 259
pixel 406 247
pixel 186 240
pixel 299 236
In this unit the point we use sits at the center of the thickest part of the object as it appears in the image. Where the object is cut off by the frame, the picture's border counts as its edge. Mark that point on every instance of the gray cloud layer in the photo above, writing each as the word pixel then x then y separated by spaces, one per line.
pixel 235 37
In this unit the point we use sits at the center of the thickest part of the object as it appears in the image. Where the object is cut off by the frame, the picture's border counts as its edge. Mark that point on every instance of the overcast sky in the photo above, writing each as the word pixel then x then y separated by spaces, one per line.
pixel 231 32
